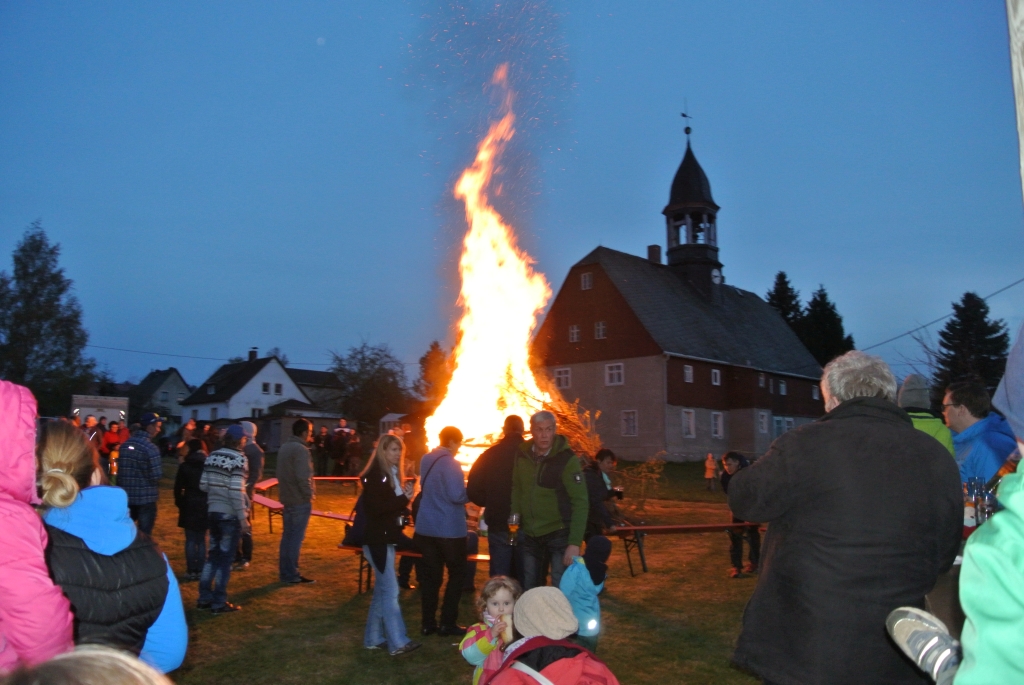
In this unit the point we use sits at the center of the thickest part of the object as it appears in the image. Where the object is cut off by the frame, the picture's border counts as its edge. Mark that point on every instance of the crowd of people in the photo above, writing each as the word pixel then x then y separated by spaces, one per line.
pixel 865 511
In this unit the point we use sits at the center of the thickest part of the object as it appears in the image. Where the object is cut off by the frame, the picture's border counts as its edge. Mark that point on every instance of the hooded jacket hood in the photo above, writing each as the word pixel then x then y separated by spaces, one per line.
pixel 99 516
pixel 17 443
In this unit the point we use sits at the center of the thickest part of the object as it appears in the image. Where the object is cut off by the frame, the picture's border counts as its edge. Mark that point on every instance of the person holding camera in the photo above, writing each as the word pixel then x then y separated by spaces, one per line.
pixel 386 502
pixel 599 491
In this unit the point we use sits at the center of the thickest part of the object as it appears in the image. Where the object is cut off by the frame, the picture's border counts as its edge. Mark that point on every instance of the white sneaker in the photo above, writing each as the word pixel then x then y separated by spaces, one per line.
pixel 926 640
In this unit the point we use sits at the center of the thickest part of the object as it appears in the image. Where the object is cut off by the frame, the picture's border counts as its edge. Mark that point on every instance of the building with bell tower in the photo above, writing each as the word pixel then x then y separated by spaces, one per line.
pixel 692 230
pixel 677 362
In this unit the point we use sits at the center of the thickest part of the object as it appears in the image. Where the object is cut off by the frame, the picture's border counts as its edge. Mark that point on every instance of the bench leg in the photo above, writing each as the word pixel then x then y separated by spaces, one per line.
pixel 640 550
pixel 270 520
pixel 629 559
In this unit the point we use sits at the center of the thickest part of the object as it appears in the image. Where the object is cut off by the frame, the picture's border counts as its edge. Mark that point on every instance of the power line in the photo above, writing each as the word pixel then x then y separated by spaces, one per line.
pixel 210 359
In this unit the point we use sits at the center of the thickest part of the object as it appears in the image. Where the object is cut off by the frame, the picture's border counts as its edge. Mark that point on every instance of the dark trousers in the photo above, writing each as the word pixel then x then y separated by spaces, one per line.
pixel 406 564
pixel 296 518
pixel 440 554
pixel 144 516
pixel 537 552
pixel 195 550
pixel 753 536
pixel 504 555
pixel 213 585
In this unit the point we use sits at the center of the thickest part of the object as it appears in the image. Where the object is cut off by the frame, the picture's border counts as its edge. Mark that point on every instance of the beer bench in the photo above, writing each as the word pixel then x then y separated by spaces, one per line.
pixel 275 508
pixel 633 536
pixel 364 564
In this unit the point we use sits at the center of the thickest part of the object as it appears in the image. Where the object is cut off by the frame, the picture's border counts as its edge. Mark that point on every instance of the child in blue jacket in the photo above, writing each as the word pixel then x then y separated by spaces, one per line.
pixel 582 582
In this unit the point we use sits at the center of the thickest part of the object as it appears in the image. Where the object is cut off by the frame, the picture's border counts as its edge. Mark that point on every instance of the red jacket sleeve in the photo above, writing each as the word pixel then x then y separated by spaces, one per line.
pixel 35 617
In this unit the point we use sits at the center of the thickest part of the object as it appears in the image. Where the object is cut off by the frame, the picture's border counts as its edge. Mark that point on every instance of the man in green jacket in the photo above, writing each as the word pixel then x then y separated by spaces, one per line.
pixel 914 400
pixel 549 494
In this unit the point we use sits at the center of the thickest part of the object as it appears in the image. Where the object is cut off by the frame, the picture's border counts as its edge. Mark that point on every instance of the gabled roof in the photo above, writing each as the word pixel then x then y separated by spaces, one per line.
pixel 148 386
pixel 741 329
pixel 226 381
pixel 320 379
pixel 690 185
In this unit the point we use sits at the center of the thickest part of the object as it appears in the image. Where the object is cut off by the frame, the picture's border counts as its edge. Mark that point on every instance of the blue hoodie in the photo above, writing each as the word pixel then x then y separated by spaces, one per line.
pixel 100 518
pixel 982 448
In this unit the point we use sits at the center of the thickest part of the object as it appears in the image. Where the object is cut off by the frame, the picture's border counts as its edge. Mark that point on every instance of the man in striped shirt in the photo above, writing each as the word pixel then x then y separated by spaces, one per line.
pixel 223 481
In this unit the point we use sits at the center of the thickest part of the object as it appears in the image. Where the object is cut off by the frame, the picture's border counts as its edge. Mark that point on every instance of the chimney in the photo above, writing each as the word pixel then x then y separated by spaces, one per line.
pixel 654 254
pixel 253 354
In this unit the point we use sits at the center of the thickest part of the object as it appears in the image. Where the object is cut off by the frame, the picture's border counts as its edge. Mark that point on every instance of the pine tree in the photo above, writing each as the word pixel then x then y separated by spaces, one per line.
pixel 41 334
pixel 821 328
pixel 786 300
pixel 970 345
pixel 435 373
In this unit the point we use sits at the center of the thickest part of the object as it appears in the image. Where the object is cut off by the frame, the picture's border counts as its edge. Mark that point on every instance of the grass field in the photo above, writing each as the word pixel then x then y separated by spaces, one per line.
pixel 677 623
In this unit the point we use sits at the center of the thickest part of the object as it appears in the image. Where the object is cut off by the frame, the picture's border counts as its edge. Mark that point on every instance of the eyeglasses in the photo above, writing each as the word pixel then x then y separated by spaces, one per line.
pixel 951 405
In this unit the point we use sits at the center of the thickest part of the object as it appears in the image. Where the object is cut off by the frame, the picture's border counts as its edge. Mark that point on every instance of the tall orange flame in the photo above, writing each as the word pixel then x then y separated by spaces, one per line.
pixel 501 297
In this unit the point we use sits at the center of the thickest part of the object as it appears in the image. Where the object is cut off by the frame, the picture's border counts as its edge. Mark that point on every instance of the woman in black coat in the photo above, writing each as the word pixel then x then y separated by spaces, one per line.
pixel 385 502
pixel 191 503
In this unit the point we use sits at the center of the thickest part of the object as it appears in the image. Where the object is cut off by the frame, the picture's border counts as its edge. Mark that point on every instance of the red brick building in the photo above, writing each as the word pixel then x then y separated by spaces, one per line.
pixel 677 361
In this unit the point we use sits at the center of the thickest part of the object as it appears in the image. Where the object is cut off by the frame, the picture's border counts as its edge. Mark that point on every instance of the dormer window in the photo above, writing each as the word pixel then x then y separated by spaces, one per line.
pixel 211 389
pixel 586 281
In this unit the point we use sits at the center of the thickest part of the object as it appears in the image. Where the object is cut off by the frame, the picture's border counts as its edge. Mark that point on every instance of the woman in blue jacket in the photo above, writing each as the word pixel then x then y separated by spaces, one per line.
pixel 133 602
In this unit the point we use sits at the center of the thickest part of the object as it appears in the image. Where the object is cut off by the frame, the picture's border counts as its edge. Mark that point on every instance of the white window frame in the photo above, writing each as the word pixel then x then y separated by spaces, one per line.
pixel 266 388
pixel 790 423
pixel 181 397
pixel 815 393
pixel 782 387
pixel 762 422
pixel 165 396
pixel 687 373
pixel 256 413
pixel 211 389
pixel 630 423
pixel 278 389
pixel 779 426
pixel 600 330
pixel 586 280
pixel 689 417
pixel 760 380
pixel 717 424
pixel 716 376
pixel 213 413
pixel 771 386
pixel 574 334
pixel 563 378
pixel 615 374
pixel 195 414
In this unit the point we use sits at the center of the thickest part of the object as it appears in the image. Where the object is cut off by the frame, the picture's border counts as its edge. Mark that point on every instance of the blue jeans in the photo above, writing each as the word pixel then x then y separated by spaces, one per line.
pixel 213 585
pixel 296 518
pixel 385 621
pixel 144 516
pixel 195 550
pixel 537 551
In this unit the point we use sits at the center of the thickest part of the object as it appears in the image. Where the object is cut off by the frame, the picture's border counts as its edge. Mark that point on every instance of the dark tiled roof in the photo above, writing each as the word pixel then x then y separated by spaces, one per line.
pixel 226 381
pixel 741 329
pixel 148 386
pixel 690 185
pixel 289 404
pixel 320 379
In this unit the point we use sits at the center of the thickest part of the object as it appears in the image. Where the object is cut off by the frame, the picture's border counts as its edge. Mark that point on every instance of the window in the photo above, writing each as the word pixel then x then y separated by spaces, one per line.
pixel 563 378
pixel 760 380
pixel 211 389
pixel 213 413
pixel 195 414
pixel 586 281
pixel 716 377
pixel 717 424
pixel 815 394
pixel 789 424
pixel 574 333
pixel 782 387
pixel 266 388
pixel 256 413
pixel 689 423
pixel 600 330
pixel 277 388
pixel 629 423
pixel 762 421
pixel 164 395
pixel 181 396
pixel 771 385
pixel 614 374
pixel 780 426
pixel 688 373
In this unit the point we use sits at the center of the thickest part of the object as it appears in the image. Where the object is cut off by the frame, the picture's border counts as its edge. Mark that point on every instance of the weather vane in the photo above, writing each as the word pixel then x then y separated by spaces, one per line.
pixel 686 116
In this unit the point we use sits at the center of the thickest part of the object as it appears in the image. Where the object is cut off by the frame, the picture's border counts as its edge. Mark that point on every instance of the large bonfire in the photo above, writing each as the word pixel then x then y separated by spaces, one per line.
pixel 501 298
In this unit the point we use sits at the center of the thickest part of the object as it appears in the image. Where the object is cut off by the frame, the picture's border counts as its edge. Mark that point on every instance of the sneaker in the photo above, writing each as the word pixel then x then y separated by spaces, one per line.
pixel 451 631
pixel 382 645
pixel 226 609
pixel 240 566
pixel 736 573
pixel 203 605
pixel 409 647
pixel 302 580
pixel 406 585
pixel 925 639
pixel 750 568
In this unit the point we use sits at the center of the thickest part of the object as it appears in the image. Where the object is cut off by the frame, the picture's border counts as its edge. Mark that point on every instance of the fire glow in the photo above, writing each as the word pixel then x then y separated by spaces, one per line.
pixel 501 297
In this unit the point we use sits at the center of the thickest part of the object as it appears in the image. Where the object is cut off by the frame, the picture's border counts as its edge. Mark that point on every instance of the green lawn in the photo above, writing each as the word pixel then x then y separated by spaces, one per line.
pixel 677 623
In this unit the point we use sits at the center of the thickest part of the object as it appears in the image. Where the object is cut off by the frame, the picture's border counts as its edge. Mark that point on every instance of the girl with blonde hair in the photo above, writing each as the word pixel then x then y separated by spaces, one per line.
pixel 133 601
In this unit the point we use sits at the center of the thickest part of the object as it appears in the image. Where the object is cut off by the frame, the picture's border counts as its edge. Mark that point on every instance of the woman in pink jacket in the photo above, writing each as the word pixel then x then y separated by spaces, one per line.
pixel 35 617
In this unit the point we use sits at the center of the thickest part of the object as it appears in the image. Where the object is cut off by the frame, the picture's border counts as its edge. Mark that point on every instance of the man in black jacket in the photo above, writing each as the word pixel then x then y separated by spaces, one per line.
pixel 490 486
pixel 864 513
pixel 599 491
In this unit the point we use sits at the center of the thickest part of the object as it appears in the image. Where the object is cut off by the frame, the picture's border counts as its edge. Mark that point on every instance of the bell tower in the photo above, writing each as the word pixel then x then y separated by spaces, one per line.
pixel 690 219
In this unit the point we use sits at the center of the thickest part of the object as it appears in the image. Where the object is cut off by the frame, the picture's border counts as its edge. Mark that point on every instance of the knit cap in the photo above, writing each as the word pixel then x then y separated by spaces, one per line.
pixel 249 428
pixel 1009 397
pixel 914 392
pixel 235 432
pixel 544 611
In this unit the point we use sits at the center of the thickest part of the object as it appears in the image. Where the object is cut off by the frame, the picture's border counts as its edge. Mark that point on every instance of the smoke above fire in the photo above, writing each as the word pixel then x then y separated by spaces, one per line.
pixel 501 297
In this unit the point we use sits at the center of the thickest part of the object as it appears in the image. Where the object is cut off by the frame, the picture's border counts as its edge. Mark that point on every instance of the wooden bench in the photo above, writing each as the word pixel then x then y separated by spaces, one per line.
pixel 364 564
pixel 275 508
pixel 633 536
pixel 265 485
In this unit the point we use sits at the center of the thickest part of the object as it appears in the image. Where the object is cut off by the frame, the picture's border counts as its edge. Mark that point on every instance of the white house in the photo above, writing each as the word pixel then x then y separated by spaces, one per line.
pixel 243 390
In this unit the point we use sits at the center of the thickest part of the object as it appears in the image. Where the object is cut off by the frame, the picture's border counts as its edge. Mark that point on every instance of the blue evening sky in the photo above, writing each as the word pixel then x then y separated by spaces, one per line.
pixel 227 175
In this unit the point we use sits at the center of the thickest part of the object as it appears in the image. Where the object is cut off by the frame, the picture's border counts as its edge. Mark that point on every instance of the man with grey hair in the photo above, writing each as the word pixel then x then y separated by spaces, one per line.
pixel 550 496
pixel 865 512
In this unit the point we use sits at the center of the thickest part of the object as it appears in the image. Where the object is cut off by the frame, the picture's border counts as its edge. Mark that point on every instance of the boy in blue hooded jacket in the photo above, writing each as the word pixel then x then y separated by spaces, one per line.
pixel 581 583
